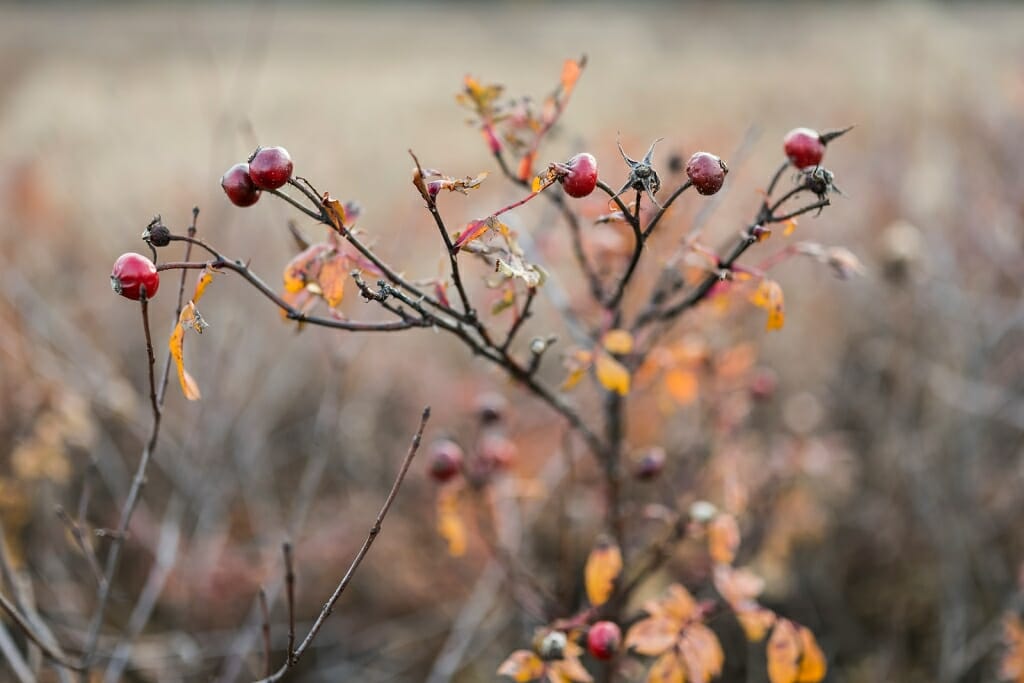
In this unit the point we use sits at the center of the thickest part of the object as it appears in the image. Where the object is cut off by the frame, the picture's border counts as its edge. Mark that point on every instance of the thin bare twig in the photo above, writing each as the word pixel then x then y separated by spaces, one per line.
pixel 357 560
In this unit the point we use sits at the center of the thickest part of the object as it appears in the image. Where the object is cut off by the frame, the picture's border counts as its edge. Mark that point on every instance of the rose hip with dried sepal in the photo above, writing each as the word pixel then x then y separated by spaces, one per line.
pixel 603 640
pixel 581 176
pixel 238 186
pixel 133 272
pixel 706 172
pixel 270 167
pixel 803 147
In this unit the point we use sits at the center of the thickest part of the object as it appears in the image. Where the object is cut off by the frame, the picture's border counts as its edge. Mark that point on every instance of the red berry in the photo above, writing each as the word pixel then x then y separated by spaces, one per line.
pixel 270 167
pixel 650 464
pixel 238 186
pixel 445 460
pixel 131 273
pixel 804 147
pixel 582 176
pixel 763 384
pixel 603 639
pixel 497 451
pixel 706 172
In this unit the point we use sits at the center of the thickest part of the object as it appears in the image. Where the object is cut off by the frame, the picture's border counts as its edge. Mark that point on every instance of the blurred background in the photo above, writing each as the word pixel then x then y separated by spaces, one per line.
pixel 888 511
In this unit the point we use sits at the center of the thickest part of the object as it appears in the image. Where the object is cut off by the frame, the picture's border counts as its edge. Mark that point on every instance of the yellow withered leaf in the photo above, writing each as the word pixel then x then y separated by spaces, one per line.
pixel 177 348
pixel 612 374
pixel 602 569
pixel 812 659
pixel 769 297
pixel 783 652
pixel 450 525
pixel 619 342
pixel 332 280
pixel 522 666
pixel 667 669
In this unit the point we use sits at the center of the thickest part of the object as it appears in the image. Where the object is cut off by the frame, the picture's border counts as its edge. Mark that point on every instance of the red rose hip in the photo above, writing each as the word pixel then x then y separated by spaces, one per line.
pixel 445 460
pixel 270 167
pixel 706 172
pixel 133 272
pixel 582 176
pixel 238 186
pixel 804 147
pixel 603 639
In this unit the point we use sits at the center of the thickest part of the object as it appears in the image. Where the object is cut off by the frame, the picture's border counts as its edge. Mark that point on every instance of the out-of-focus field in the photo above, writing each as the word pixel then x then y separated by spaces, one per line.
pixel 914 373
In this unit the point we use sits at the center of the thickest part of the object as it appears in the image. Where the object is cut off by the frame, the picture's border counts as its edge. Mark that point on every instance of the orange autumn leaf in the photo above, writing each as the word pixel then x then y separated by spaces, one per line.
pixel 723 538
pixel 789 227
pixel 303 268
pixel 602 569
pixel 682 385
pixel 522 666
pixel 331 280
pixel 526 166
pixel 702 653
pixel 739 588
pixel 450 525
pixel 618 342
pixel 205 278
pixel 571 70
pixel 612 374
pixel 783 653
pixel 668 668
pixel 812 659
pixel 176 345
pixel 335 211
pixel 769 297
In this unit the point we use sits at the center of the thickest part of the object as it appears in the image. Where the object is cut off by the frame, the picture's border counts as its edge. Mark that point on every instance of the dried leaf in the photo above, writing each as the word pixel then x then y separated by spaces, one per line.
pixel 756 620
pixel 529 273
pixel 812 659
pixel 569 668
pixel 304 268
pixel 472 231
pixel 783 653
pixel 205 278
pixel 335 211
pixel 331 280
pixel 176 345
pixel 667 669
pixel 789 227
pixel 652 636
pixel 769 297
pixel 578 363
pixel 682 385
pixel 571 71
pixel 723 538
pixel 450 525
pixel 679 604
pixel 522 666
pixel 602 569
pixel 612 374
pixel 618 342
pixel 702 653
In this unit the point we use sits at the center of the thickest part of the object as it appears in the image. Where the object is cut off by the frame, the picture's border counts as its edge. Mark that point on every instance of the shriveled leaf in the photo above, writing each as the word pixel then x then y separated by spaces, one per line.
pixel 526 166
pixel 507 301
pixel 652 636
pixel 667 669
pixel 618 342
pixel 783 652
pixel 569 669
pixel 450 524
pixel 571 71
pixel 679 604
pixel 331 280
pixel 522 666
pixel 789 226
pixel 701 653
pixel 769 297
pixel 755 620
pixel 682 386
pixel 335 211
pixel 205 278
pixel 577 363
pixel 176 345
pixel 737 586
pixel 812 659
pixel 515 266
pixel 304 268
pixel 473 230
pixel 612 374
pixel 602 569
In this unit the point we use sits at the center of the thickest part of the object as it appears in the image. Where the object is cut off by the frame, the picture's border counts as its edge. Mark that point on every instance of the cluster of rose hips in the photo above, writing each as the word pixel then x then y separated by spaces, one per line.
pixel 268 168
pixel 578 175
pixel 493 450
